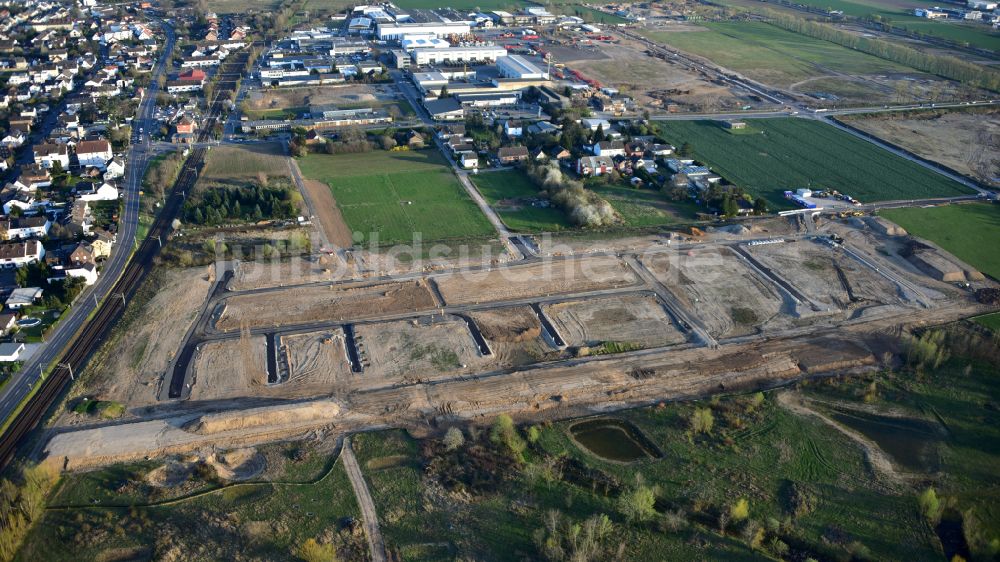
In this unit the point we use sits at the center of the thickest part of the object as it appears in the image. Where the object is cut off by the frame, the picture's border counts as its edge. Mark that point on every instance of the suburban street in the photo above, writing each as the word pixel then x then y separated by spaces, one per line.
pixel 138 157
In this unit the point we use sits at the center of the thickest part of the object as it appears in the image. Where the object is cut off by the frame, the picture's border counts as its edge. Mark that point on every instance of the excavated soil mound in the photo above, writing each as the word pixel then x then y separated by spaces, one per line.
pixel 270 416
pixel 238 464
pixel 170 475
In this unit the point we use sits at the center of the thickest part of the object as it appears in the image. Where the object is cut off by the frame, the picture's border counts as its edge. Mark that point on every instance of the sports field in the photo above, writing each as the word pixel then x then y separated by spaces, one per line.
pixel 773 55
pixel 391 196
pixel 969 231
pixel 511 193
pixel 790 153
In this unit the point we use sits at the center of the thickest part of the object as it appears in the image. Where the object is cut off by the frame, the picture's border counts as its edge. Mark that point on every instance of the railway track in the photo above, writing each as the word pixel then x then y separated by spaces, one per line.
pixel 92 333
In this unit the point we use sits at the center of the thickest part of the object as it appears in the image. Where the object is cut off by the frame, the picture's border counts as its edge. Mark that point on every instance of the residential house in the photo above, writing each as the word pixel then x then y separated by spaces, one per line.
pixel 11 351
pixel 468 159
pixel 594 165
pixel 22 297
pixel 24 227
pixel 48 154
pixel 7 323
pixel 559 153
pixel 20 253
pixel 94 153
pixel 512 154
pixel 513 129
pixel 609 148
pixel 114 169
pixel 103 192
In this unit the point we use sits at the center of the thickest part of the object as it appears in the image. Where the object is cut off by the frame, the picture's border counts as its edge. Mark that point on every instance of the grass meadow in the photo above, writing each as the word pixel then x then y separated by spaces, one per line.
pixel 969 231
pixel 774 55
pixel 393 195
pixel 510 192
pixel 790 153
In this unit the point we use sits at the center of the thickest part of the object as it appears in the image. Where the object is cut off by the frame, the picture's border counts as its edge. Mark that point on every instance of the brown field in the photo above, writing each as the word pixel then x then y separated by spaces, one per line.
pixel 317 303
pixel 719 288
pixel 344 96
pixel 131 374
pixel 650 79
pixel 547 278
pixel 811 267
pixel 635 319
pixel 230 369
pixel 294 271
pixel 514 335
pixel 966 142
pixel 317 363
pixel 223 164
pixel 413 351
pixel 328 214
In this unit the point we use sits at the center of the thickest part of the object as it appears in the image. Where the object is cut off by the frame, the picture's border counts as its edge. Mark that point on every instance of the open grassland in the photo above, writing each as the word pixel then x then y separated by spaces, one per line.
pixel 242 6
pixel 969 231
pixel 267 518
pixel 641 208
pixel 511 193
pixel 793 153
pixel 226 164
pixel 462 5
pixel 991 321
pixel 393 196
pixel 900 14
pixel 774 55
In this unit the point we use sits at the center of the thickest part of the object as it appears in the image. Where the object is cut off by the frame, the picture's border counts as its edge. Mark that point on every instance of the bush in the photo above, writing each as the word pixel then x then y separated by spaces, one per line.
pixel 739 510
pixel 504 432
pixel 701 420
pixel 638 503
pixel 453 439
pixel 930 505
pixel 312 551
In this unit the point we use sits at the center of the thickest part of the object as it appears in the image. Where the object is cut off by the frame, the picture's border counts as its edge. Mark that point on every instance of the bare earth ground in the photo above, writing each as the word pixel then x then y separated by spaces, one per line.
pixel 714 283
pixel 514 335
pixel 350 94
pixel 966 142
pixel 416 351
pixel 638 319
pixel 648 78
pixel 811 267
pixel 546 278
pixel 132 373
pixel 317 363
pixel 262 274
pixel 328 214
pixel 323 302
pixel 229 369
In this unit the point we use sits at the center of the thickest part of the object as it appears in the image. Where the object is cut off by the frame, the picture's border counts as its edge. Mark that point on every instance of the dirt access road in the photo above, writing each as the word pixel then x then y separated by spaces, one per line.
pixel 375 543
pixel 323 207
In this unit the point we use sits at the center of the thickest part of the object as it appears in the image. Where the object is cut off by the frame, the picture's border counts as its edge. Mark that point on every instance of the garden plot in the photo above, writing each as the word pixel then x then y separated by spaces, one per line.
pixel 514 334
pixel 827 277
pixel 230 369
pixel 317 362
pixel 412 351
pixel 550 277
pixel 637 320
pixel 317 303
pixel 720 288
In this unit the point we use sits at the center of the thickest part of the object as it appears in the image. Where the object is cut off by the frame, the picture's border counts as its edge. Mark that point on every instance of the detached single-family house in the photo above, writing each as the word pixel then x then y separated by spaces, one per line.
pixel 24 227
pixel 114 169
pixel 512 154
pixel 47 154
pixel 609 148
pixel 594 165
pixel 468 159
pixel 22 297
pixel 104 192
pixel 11 352
pixel 94 153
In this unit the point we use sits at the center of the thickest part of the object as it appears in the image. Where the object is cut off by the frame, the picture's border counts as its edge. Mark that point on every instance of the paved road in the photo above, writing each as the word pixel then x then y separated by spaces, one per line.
pixel 368 513
pixel 138 156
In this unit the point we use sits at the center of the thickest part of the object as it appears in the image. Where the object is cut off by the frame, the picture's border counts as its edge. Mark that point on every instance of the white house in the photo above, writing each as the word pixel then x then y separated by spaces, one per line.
pixel 86 271
pixel 114 169
pixel 22 297
pixel 594 165
pixel 94 153
pixel 14 139
pixel 17 254
pixel 25 227
pixel 609 148
pixel 47 154
pixel 468 159
pixel 105 192
pixel 10 352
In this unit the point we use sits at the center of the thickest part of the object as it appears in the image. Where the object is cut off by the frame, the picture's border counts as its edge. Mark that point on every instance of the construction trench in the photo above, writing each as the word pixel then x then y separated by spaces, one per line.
pixel 604 331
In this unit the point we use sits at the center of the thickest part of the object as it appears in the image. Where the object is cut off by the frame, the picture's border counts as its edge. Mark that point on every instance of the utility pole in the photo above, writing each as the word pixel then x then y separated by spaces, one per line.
pixel 69 368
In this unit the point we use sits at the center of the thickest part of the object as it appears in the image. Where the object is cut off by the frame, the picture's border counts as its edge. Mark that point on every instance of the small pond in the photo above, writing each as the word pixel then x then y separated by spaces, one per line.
pixel 613 440
pixel 912 443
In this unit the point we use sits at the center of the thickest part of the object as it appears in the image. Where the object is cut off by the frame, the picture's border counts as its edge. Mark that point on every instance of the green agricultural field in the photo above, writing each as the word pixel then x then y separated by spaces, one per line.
pixel 790 153
pixel 774 55
pixel 511 193
pixel 395 195
pixel 991 321
pixel 968 231
pixel 462 5
pixel 588 14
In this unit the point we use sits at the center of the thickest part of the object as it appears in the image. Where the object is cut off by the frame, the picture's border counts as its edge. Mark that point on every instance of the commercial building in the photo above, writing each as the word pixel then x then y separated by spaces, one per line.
pixel 322 118
pixel 436 55
pixel 518 67
pixel 395 31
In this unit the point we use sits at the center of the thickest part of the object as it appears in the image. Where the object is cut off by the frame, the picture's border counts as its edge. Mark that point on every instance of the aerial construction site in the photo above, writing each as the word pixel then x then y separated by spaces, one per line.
pixel 567 329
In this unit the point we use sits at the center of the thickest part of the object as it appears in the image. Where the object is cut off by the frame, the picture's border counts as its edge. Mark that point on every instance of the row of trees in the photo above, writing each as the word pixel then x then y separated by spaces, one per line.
pixel 942 65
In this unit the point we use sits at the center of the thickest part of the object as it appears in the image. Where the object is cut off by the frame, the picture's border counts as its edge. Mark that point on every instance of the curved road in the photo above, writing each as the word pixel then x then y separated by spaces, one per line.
pixel 21 383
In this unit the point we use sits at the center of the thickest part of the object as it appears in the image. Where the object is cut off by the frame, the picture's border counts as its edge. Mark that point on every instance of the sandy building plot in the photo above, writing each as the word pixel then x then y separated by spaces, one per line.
pixel 232 368
pixel 412 351
pixel 826 276
pixel 514 334
pixel 550 277
pixel 634 319
pixel 316 303
pixel 297 270
pixel 716 285
pixel 129 368
pixel 317 362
